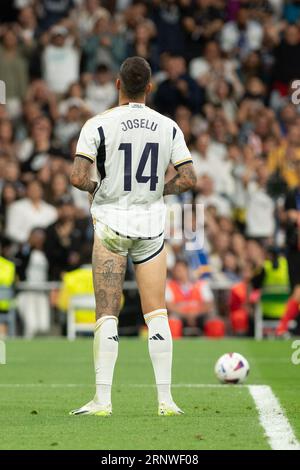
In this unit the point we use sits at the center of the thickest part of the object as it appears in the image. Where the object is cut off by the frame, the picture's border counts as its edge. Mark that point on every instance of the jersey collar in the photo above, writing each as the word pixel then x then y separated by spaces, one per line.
pixel 134 105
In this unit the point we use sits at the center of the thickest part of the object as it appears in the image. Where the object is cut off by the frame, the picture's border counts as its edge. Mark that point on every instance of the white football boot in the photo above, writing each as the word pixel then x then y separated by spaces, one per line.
pixel 169 409
pixel 93 409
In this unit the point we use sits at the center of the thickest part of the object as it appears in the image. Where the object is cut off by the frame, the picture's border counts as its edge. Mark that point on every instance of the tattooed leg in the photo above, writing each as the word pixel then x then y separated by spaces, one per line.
pixel 108 275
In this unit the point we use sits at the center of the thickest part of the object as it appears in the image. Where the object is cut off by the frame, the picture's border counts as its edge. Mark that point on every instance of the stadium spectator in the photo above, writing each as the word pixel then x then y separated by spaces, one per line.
pixel 143 44
pixel 27 21
pixel 212 67
pixel 52 11
pixel 210 198
pixel 191 301
pixel 106 45
pixel 274 284
pixel 8 196
pixel 241 36
pixel 206 155
pixel 167 18
pixel 14 69
pixel 59 189
pixel 242 300
pixel 60 60
pixel 28 213
pixel 231 267
pixel 287 68
pixel 12 175
pixel 260 207
pixel 281 159
pixel 178 89
pixel 32 266
pixel 69 124
pixel 101 93
pixel 67 243
pixel 41 95
pixel 7 137
pixel 89 11
pixel 208 158
pixel 202 21
pixel 33 151
pixel 7 280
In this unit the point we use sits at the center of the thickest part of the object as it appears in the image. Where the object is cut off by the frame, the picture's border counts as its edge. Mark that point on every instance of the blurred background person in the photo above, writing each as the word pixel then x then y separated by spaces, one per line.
pixel 32 267
pixel 191 301
pixel 25 214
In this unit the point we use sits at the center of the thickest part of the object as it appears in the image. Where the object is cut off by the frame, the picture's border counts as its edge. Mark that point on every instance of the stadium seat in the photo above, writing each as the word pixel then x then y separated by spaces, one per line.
pixel 214 328
pixel 80 325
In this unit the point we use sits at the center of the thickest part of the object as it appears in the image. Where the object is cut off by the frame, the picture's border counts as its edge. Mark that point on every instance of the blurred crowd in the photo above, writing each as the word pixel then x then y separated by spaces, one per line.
pixel 226 71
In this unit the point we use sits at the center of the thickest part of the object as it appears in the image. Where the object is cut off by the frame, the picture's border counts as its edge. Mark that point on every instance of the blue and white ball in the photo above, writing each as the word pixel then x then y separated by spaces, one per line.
pixel 232 368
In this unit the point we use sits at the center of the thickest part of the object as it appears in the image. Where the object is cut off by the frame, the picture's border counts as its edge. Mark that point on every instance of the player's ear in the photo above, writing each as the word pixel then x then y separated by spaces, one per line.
pixel 118 84
pixel 149 88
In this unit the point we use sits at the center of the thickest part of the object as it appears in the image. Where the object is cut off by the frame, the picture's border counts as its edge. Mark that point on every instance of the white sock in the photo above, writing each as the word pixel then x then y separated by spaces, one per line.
pixel 106 342
pixel 160 350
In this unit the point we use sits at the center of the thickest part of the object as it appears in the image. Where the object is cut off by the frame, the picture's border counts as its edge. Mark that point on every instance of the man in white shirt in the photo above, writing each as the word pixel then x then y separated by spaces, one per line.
pixel 60 61
pixel 208 197
pixel 101 92
pixel 260 207
pixel 132 146
pixel 29 213
pixel 244 34
pixel 208 160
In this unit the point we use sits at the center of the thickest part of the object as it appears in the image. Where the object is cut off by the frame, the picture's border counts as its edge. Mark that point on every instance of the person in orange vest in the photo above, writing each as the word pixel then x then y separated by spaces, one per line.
pixel 243 297
pixel 191 301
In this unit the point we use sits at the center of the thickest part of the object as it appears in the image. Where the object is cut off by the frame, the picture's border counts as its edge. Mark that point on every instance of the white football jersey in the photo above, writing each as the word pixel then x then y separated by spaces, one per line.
pixel 132 146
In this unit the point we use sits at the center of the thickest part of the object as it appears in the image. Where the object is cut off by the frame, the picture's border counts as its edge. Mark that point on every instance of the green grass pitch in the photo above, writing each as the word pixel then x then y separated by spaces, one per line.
pixel 44 379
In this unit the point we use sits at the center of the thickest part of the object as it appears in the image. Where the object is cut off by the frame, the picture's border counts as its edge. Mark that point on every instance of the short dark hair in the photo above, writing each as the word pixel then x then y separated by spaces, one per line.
pixel 135 74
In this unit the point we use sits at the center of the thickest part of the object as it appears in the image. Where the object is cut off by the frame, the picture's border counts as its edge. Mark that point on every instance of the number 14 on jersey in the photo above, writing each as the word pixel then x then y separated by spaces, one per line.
pixel 150 151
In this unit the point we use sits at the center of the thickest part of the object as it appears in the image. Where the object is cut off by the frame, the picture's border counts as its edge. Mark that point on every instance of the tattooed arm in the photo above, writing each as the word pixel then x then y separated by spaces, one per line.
pixel 80 176
pixel 184 179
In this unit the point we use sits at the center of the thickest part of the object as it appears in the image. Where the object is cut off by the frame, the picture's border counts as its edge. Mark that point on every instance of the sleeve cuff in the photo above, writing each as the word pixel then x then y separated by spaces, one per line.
pixel 84 155
pixel 183 162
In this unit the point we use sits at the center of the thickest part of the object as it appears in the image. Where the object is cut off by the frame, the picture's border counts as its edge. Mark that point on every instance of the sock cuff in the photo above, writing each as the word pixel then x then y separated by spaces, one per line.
pixel 101 320
pixel 161 312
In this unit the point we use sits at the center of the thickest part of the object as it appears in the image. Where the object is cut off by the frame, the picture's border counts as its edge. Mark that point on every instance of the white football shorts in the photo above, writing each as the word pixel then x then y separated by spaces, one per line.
pixel 140 250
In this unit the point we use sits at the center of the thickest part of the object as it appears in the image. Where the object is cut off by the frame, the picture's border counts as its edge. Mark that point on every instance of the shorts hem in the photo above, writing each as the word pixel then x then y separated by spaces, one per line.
pixel 151 256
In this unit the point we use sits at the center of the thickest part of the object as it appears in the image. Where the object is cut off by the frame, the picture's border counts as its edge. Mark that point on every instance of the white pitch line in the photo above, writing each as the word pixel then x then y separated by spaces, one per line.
pixel 272 418
pixel 12 385
pixel 191 385
pixel 68 385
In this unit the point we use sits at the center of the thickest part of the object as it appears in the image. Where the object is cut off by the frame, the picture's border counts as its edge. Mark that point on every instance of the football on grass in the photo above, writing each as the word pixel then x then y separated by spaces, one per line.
pixel 232 368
